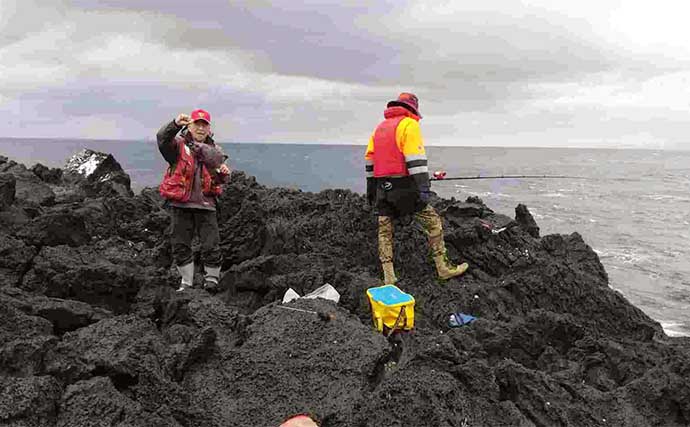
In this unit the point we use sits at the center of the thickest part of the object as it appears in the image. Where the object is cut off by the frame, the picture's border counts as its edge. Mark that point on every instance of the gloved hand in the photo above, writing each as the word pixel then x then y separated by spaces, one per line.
pixel 422 181
pixel 371 191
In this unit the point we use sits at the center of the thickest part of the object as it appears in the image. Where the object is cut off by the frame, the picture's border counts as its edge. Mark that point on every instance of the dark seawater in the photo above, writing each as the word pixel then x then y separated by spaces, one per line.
pixel 633 208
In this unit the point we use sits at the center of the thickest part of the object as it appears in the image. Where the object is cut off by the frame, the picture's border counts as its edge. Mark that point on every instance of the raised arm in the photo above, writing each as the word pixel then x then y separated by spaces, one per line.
pixel 167 144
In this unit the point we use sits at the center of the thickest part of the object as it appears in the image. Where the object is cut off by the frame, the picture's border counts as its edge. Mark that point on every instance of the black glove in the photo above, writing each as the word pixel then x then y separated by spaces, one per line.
pixel 422 181
pixel 371 191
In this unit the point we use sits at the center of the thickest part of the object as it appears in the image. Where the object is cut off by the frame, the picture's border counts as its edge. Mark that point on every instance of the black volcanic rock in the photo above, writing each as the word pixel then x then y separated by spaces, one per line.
pixel 28 187
pixel 8 190
pixel 99 174
pixel 526 221
pixel 16 257
pixel 92 331
pixel 24 339
pixel 54 229
pixel 29 401
pixel 46 174
pixel 98 402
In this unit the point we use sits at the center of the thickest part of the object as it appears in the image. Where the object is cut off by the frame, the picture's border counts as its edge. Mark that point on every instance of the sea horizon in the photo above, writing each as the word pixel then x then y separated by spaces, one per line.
pixel 344 144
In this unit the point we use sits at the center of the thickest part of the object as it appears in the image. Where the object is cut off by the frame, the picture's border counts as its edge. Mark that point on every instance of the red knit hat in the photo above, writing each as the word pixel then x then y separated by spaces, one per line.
pixel 408 101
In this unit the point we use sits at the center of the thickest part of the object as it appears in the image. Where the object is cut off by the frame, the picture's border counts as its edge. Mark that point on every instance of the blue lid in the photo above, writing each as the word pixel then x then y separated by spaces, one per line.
pixel 389 295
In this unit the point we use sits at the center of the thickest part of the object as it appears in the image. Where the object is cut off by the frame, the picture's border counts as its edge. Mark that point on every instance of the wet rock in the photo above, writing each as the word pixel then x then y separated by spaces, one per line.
pixel 526 221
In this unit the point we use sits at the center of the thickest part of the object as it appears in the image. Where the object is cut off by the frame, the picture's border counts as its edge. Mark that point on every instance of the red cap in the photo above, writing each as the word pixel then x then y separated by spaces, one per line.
pixel 201 115
pixel 408 101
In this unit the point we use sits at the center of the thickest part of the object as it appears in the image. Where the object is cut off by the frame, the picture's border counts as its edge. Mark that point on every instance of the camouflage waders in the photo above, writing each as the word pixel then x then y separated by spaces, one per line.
pixel 433 228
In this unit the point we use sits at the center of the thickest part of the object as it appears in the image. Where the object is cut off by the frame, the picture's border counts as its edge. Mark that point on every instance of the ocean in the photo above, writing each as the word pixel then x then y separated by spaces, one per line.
pixel 632 206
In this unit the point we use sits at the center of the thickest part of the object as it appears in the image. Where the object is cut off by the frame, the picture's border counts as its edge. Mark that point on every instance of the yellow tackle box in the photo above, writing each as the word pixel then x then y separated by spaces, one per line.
pixel 391 308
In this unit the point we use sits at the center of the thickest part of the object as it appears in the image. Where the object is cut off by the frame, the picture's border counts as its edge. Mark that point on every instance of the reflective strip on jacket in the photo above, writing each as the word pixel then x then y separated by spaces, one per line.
pixel 177 184
pixel 396 147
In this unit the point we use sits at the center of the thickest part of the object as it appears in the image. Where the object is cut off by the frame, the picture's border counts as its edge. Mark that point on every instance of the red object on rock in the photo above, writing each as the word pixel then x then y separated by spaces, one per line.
pixel 299 421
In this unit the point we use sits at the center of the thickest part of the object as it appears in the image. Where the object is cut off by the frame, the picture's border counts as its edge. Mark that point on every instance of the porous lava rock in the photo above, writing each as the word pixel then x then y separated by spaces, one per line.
pixel 93 333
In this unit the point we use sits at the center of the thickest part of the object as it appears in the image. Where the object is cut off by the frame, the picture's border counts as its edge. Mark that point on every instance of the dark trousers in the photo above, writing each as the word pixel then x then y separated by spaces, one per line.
pixel 188 222
pixel 397 197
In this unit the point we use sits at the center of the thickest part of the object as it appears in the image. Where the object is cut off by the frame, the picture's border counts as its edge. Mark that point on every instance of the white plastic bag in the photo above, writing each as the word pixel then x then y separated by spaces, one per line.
pixel 290 295
pixel 326 292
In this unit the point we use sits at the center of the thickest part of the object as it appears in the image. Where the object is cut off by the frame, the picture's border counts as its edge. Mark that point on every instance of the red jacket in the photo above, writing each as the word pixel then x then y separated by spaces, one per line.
pixel 388 159
pixel 389 154
pixel 177 184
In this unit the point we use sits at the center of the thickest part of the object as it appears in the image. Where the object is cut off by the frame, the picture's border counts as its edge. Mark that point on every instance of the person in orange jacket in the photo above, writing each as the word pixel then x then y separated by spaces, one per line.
pixel 191 185
pixel 398 184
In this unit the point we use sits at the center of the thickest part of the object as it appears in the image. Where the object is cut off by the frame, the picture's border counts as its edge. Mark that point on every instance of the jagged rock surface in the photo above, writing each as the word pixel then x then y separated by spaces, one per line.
pixel 8 190
pixel 92 332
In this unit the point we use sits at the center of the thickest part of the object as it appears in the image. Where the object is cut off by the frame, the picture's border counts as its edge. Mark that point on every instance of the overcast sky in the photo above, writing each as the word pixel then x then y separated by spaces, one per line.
pixel 597 73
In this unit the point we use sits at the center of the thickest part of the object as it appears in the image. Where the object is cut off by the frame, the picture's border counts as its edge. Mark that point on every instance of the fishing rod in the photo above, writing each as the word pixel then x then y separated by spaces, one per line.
pixel 441 176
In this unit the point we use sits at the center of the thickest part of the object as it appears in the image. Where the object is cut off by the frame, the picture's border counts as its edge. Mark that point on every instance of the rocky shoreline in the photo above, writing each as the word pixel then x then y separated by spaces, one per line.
pixel 93 333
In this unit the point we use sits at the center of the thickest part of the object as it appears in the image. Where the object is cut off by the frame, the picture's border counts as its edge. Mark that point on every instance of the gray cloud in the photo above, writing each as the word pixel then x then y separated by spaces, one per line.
pixel 370 44
pixel 320 70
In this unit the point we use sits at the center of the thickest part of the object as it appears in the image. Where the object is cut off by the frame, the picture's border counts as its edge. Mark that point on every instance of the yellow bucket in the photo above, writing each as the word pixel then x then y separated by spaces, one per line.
pixel 391 308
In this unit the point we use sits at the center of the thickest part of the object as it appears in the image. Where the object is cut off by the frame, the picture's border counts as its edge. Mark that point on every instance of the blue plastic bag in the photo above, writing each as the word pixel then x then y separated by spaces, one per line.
pixel 460 319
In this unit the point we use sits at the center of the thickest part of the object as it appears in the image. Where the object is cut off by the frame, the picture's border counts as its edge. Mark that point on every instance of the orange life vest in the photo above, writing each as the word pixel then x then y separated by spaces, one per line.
pixel 177 184
pixel 388 159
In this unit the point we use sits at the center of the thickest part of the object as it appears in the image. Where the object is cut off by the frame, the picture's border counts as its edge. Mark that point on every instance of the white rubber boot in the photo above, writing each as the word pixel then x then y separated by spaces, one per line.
pixel 187 273
pixel 211 278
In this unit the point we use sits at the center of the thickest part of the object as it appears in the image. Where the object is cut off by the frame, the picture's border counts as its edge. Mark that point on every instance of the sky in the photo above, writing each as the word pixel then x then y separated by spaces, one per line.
pixel 548 73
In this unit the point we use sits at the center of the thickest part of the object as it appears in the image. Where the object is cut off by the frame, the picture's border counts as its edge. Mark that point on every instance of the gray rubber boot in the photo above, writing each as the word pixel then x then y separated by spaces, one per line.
pixel 211 278
pixel 187 273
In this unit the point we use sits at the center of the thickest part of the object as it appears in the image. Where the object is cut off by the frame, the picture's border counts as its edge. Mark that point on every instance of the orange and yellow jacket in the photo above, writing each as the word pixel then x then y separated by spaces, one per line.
pixel 396 148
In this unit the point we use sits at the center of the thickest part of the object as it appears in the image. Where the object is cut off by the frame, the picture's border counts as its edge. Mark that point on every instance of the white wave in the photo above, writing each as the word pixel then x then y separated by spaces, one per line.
pixel 675 329
pixel 553 195
pixel 625 255
pixel 489 194
pixel 664 197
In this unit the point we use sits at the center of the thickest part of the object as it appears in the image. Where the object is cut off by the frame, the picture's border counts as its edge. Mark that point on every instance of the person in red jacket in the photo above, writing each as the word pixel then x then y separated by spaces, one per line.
pixel 398 184
pixel 191 185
